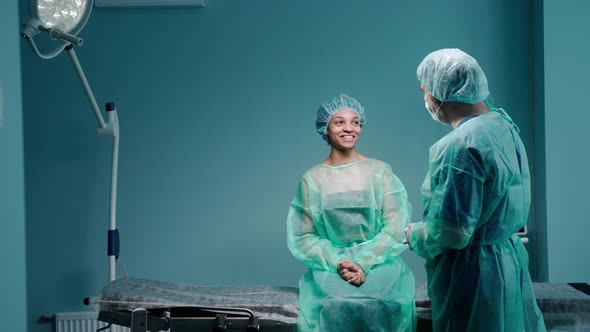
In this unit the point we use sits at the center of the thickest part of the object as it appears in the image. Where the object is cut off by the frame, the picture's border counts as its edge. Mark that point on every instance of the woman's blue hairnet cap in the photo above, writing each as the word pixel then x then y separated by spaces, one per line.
pixel 336 104
pixel 452 75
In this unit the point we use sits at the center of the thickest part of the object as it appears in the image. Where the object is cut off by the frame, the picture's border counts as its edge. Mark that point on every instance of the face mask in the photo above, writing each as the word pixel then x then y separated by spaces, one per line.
pixel 433 114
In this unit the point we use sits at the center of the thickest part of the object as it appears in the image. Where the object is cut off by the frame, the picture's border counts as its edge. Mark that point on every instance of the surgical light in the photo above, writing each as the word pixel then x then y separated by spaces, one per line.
pixel 62 20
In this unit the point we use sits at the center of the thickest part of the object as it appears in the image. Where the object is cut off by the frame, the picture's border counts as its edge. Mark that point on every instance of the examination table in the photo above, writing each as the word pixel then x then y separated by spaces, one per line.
pixel 147 305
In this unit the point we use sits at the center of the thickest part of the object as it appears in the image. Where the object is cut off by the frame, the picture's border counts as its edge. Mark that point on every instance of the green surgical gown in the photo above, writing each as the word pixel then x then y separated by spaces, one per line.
pixel 355 211
pixel 475 197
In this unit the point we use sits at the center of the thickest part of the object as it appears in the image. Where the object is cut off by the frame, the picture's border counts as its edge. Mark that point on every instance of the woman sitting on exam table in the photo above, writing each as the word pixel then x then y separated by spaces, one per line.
pixel 346 225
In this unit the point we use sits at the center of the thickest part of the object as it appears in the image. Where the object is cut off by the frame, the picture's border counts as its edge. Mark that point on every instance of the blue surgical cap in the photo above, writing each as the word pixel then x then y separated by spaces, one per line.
pixel 336 104
pixel 452 75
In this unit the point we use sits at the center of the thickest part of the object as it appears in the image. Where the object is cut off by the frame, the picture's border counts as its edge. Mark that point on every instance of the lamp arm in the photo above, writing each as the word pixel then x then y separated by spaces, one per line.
pixel 49 55
pixel 33 26
pixel 86 86
pixel 110 129
pixel 114 123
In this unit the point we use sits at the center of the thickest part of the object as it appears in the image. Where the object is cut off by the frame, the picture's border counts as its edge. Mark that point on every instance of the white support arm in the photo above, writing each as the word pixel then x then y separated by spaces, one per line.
pixel 86 86
pixel 107 129
pixel 114 124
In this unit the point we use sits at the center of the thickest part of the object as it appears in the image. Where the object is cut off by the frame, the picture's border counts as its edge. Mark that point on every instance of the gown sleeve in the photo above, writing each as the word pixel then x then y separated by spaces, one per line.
pixel 303 238
pixel 396 212
pixel 453 205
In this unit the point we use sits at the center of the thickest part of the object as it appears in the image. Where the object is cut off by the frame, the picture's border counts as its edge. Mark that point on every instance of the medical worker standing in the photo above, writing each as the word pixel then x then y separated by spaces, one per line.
pixel 475 197
pixel 346 225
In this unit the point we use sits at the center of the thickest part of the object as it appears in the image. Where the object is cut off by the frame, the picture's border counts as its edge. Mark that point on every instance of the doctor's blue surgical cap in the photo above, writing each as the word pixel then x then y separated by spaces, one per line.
pixel 452 75
pixel 336 104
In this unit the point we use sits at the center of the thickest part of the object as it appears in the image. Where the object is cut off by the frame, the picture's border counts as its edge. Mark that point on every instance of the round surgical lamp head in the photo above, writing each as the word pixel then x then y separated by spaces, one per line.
pixel 69 16
pixel 61 19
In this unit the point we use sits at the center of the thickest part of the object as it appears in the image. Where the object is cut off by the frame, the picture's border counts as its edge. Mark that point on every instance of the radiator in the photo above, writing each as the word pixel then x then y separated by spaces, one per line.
pixel 84 321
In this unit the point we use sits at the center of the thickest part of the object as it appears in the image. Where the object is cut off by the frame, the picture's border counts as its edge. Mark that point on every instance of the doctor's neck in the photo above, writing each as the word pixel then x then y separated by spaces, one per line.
pixel 455 112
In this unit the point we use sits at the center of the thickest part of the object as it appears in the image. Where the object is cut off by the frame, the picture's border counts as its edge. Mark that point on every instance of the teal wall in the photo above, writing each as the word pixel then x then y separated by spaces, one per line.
pixel 566 53
pixel 12 186
pixel 217 110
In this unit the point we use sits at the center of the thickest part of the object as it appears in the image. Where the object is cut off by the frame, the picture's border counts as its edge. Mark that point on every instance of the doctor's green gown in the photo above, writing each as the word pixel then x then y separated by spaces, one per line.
pixel 475 197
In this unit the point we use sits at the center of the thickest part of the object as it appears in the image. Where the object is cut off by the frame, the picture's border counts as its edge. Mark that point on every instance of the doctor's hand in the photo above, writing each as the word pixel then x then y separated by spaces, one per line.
pixel 351 272
pixel 407 232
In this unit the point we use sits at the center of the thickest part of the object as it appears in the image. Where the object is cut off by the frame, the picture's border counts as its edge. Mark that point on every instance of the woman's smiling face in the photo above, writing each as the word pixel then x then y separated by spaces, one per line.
pixel 344 129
